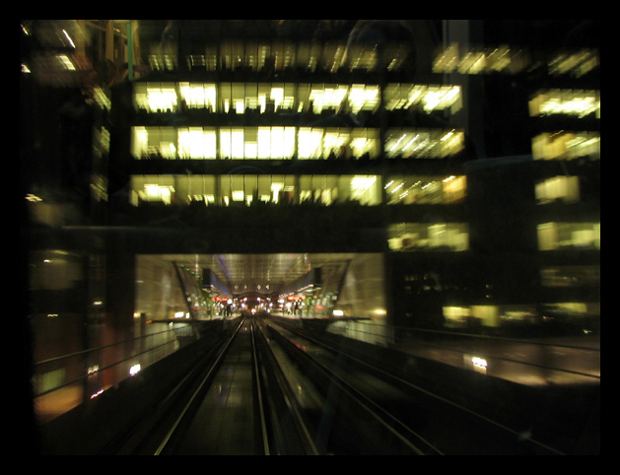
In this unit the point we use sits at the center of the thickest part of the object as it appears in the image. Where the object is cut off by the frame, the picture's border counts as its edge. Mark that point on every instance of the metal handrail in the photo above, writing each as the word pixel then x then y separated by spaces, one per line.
pixel 80 378
pixel 473 335
pixel 502 338
pixel 90 350
pixel 489 338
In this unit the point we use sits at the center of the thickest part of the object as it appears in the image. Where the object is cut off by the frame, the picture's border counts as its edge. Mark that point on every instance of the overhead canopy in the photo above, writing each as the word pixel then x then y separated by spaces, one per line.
pixel 263 273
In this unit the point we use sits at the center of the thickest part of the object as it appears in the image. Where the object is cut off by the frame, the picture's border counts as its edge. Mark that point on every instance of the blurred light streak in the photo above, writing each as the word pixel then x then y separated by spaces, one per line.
pixel 69 38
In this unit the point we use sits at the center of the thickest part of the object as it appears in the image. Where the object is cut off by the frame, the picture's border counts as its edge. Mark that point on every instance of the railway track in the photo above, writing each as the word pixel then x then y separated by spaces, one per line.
pixel 424 420
pixel 268 390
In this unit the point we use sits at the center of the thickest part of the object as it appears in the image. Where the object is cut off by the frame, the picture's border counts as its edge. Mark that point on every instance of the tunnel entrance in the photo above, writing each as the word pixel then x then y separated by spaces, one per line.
pixel 335 286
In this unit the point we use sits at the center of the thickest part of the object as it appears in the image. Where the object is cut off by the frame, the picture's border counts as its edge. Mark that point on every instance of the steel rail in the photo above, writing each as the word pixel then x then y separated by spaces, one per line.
pixel 310 447
pixel 426 392
pixel 197 392
pixel 259 392
pixel 383 417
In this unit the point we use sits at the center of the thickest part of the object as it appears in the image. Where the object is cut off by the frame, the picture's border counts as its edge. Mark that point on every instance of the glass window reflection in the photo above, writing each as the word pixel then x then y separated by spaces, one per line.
pixel 420 237
pixel 415 189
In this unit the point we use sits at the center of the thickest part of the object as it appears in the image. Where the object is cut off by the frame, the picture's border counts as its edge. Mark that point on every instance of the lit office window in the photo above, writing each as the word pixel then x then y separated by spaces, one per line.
pixel 554 236
pixel 195 189
pixel 333 56
pixel 154 142
pixel 152 188
pixel 155 97
pixel 270 98
pixel 245 189
pixel 364 97
pixel 330 189
pixel 263 97
pixel 365 189
pixel 281 142
pixel 423 143
pixel 361 57
pixel 332 97
pixel 197 142
pixel 255 97
pixel 207 61
pixel 429 97
pixel 257 142
pixel 337 143
pixel 310 143
pixel 364 142
pixel 232 54
pixel 426 189
pixel 164 97
pixel 428 237
pixel 283 189
pixel 139 142
pixel 250 189
pixel 199 95
pixel 480 60
pixel 565 145
pixel 102 98
pixel 447 60
pixel 283 96
pixel 320 189
pixel 237 187
pixel 319 97
pixel 163 57
pixel 279 54
pixel 229 190
pixel 232 98
pixel 232 143
pixel 561 187
pixel 253 55
pixel 285 54
pixel 460 316
pixel 576 103
pixel 576 63
pixel 163 62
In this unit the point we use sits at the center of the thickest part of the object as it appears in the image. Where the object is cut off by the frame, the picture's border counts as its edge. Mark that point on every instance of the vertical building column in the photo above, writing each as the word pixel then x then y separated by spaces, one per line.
pixel 109 40
pixel 130 54
pixel 388 269
pixel 471 118
pixel 119 320
pixel 80 40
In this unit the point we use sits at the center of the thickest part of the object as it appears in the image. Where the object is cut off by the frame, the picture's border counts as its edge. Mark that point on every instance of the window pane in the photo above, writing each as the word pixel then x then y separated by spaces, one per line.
pixel 365 189
pixel 566 145
pixel 237 143
pixel 577 103
pixel 251 142
pixel 364 142
pixel 423 143
pixel 561 187
pixel 139 142
pixel 310 142
pixel 423 237
pixel 416 189
pixel 198 95
pixel 225 145
pixel 553 236
pixel 196 142
pixel 364 97
pixel 335 142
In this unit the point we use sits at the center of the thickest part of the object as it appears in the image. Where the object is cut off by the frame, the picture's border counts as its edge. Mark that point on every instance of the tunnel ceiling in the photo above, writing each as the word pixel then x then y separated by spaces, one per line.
pixel 239 269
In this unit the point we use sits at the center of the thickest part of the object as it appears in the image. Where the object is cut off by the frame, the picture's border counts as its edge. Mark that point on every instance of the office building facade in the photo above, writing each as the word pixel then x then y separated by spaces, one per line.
pixel 469 168
pixel 445 175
